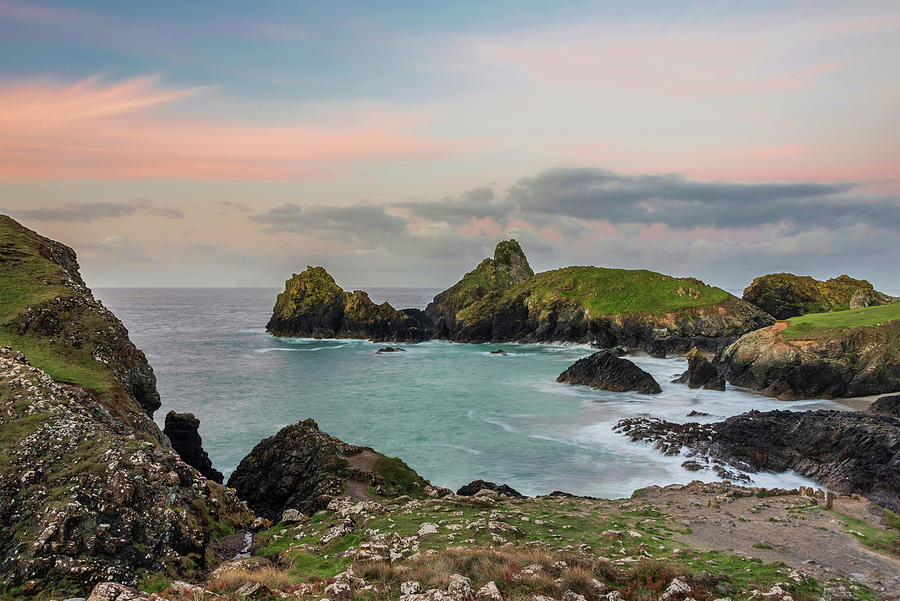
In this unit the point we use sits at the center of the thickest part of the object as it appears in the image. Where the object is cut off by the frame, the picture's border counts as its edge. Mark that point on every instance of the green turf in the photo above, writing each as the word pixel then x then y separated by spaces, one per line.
pixel 818 325
pixel 606 291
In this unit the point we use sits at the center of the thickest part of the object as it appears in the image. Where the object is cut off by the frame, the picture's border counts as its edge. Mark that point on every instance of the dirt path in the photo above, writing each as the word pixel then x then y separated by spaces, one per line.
pixel 804 537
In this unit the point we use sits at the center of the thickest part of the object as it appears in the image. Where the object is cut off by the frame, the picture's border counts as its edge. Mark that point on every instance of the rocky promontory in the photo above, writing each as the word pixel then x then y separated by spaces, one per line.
pixel 637 309
pixel 303 468
pixel 848 451
pixel 90 488
pixel 314 306
pixel 784 295
pixel 700 373
pixel 605 371
pixel 829 355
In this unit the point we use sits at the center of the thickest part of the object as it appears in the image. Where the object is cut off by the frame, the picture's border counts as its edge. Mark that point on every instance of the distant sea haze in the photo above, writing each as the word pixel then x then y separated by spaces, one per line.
pixel 454 412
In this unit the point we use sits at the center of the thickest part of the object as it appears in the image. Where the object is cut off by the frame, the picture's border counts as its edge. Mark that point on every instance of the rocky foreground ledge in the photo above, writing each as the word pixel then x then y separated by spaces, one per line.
pixel 850 452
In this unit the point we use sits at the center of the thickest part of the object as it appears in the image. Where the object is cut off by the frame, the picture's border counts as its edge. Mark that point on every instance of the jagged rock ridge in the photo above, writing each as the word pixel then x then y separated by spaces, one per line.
pixel 183 430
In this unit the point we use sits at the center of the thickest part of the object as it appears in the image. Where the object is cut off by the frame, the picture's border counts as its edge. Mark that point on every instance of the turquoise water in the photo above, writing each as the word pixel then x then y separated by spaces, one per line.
pixel 453 412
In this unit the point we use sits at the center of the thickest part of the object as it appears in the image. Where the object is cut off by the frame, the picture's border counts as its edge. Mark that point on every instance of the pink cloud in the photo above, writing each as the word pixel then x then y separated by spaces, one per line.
pixel 111 131
pixel 34 12
pixel 486 226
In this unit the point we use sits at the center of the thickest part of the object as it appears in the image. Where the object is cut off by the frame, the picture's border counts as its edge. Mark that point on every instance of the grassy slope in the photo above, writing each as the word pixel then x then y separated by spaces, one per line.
pixel 606 291
pixel 824 325
pixel 27 279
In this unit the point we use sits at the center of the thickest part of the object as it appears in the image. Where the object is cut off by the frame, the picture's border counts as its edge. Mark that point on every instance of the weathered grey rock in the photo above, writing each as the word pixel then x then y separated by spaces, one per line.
pixel 887 405
pixel 474 487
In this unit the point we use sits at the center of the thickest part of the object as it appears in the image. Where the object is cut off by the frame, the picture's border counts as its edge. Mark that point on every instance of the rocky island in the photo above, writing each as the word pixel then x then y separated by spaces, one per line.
pixel 784 295
pixel 503 300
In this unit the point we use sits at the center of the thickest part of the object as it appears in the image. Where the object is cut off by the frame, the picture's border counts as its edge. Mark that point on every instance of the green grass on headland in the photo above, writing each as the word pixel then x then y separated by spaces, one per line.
pixel 607 291
pixel 825 325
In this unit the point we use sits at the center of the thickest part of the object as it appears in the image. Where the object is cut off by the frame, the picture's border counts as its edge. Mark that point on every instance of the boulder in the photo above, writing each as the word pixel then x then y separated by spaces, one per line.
pixel 605 371
pixel 887 405
pixel 183 432
pixel 303 468
pixel 847 451
pixel 472 488
pixel 700 373
pixel 390 349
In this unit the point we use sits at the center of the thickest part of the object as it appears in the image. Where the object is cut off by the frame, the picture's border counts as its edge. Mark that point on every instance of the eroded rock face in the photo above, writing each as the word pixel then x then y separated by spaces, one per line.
pixel 856 362
pixel 303 468
pixel 183 431
pixel 785 295
pixel 847 451
pixel 701 373
pixel 77 323
pixel 508 267
pixel 477 485
pixel 605 371
pixel 86 497
pixel 887 405
pixel 314 306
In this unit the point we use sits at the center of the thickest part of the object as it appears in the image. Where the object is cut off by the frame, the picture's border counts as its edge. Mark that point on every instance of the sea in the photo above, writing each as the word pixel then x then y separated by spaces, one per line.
pixel 453 412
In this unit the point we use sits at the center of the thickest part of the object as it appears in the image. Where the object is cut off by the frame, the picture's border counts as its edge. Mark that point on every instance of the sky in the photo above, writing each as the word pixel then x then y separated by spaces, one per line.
pixel 395 143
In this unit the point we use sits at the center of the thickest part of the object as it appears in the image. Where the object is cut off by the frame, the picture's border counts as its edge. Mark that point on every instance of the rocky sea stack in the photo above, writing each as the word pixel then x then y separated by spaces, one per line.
pixel 827 355
pixel 183 430
pixel 90 489
pixel 848 451
pixel 700 373
pixel 605 371
pixel 784 295
pixel 303 468
pixel 314 306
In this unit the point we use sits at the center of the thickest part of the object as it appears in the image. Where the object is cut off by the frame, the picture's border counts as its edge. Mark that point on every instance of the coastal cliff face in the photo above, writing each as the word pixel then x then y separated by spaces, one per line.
pixel 90 489
pixel 303 468
pixel 785 295
pixel 794 363
pixel 48 313
pixel 314 306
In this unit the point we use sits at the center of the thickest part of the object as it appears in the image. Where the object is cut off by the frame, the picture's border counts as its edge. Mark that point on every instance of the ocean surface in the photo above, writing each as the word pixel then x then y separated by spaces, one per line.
pixel 453 412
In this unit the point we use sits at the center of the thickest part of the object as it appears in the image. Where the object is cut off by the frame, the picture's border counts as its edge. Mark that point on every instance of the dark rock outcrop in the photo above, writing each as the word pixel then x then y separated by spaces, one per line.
pixel 390 349
pixel 848 362
pixel 847 451
pixel 700 373
pixel 314 306
pixel 303 468
pixel 183 432
pixel 785 295
pixel 605 371
pixel 887 405
pixel 475 486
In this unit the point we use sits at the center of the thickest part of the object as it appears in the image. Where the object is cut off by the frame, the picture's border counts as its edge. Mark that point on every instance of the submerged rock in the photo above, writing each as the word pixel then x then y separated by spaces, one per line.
pixel 475 486
pixel 183 431
pixel 605 371
pixel 700 373
pixel 390 349
pixel 847 451
pixel 303 468
pixel 784 295
pixel 499 351
pixel 887 405
pixel 314 306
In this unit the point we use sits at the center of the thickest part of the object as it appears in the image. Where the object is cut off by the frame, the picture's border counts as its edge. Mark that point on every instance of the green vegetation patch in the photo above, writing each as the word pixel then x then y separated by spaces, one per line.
pixel 824 325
